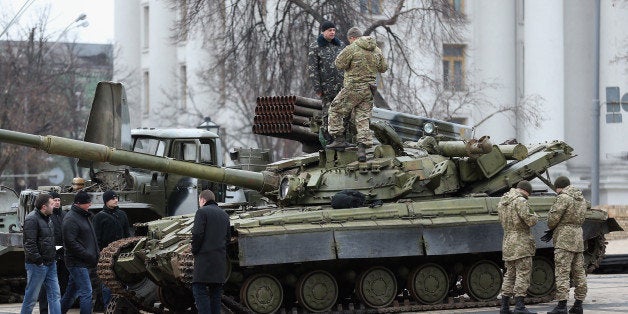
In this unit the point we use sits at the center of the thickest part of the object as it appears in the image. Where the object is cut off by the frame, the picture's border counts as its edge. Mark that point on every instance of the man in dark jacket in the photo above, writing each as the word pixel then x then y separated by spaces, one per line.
pixel 210 235
pixel 110 224
pixel 81 253
pixel 62 273
pixel 325 77
pixel 39 254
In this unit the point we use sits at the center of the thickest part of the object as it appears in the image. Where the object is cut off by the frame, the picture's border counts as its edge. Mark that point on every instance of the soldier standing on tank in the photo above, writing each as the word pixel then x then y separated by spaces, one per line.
pixel 565 220
pixel 326 78
pixel 210 235
pixel 362 60
pixel 518 246
pixel 62 273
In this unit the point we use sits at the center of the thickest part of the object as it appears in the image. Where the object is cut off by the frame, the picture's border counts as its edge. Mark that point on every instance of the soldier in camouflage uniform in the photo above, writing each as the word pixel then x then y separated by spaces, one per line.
pixel 518 245
pixel 326 78
pixel 565 220
pixel 362 60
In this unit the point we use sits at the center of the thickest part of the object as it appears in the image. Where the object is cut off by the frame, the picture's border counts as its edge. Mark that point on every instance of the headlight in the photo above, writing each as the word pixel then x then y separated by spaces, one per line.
pixel 429 128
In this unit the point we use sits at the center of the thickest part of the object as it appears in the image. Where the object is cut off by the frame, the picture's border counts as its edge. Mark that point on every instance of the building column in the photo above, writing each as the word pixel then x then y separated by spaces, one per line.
pixel 613 144
pixel 493 60
pixel 544 68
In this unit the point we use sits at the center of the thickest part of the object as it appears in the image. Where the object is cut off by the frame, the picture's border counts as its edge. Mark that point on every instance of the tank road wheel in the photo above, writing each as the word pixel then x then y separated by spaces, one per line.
pixel 176 299
pixel 483 280
pixel 542 277
pixel 262 293
pixel 377 287
pixel 594 250
pixel 429 283
pixel 317 291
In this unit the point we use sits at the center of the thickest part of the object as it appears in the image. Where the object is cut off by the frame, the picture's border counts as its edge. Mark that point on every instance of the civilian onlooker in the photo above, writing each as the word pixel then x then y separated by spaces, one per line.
pixel 81 253
pixel 40 255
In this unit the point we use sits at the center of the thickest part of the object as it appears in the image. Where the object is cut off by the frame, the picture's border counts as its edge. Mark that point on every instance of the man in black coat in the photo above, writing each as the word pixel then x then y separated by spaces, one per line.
pixel 40 254
pixel 62 273
pixel 110 224
pixel 81 253
pixel 210 235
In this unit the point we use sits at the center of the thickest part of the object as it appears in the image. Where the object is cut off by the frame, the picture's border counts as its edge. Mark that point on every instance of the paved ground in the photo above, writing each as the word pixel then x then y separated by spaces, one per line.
pixel 607 293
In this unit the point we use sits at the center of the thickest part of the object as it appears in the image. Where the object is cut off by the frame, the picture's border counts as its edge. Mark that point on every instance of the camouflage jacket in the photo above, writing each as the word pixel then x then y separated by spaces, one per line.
pixel 361 60
pixel 325 77
pixel 566 218
pixel 516 218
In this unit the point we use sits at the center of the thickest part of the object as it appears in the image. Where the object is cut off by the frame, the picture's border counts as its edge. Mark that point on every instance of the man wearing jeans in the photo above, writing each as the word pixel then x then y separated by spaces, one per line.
pixel 81 253
pixel 39 254
pixel 210 235
pixel 111 224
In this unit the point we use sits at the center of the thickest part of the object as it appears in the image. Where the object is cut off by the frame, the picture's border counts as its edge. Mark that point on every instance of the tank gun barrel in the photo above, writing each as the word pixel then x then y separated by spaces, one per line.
pixel 263 182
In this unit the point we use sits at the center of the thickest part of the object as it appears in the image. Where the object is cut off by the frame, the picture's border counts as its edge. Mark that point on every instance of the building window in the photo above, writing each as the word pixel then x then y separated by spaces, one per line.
pixel 146 92
pixel 453 67
pixel 145 28
pixel 183 86
pixel 373 7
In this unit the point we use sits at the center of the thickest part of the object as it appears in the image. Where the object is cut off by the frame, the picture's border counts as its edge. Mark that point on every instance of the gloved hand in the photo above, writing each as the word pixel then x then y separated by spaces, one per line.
pixel 548 236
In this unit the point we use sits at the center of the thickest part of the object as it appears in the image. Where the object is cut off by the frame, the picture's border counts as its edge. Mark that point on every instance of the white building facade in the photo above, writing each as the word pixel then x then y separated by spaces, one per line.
pixel 531 47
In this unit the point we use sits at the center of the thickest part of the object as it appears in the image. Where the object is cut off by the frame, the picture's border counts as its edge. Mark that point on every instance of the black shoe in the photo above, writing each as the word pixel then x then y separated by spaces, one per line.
pixel 339 143
pixel 577 307
pixel 361 152
pixel 520 307
pixel 505 309
pixel 561 308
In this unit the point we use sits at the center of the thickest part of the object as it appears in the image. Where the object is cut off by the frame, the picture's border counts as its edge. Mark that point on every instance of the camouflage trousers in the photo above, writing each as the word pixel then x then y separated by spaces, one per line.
pixel 569 263
pixel 517 277
pixel 358 103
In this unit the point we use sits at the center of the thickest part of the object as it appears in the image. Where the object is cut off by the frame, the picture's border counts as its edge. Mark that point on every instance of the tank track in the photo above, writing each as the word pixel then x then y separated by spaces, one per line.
pixel 186 266
pixel 398 306
pixel 106 273
pixel 598 255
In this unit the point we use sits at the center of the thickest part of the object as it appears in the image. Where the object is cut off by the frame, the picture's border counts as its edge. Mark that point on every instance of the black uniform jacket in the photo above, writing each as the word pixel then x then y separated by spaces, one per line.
pixel 79 239
pixel 210 235
pixel 38 240
pixel 111 225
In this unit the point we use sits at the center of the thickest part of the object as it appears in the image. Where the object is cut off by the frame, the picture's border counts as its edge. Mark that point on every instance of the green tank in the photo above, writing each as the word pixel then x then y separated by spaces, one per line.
pixel 427 231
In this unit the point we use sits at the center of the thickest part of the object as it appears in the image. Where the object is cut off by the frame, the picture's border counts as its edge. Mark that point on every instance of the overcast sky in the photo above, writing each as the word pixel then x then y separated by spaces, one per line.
pixel 62 13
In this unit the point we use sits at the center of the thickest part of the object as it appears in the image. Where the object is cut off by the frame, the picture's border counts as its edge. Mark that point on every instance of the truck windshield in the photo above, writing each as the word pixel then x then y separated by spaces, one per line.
pixel 149 146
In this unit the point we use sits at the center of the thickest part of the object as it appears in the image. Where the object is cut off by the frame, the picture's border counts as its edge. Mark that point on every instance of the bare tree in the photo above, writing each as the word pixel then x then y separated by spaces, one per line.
pixel 261 51
pixel 43 91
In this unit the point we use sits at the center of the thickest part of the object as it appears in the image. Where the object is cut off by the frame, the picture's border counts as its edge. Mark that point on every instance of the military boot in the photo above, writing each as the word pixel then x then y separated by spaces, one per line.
pixel 361 152
pixel 339 143
pixel 577 307
pixel 520 307
pixel 561 308
pixel 505 309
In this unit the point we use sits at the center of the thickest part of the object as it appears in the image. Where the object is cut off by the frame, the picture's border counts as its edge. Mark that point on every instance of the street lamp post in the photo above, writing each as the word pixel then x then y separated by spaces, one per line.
pixel 81 17
pixel 209 125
